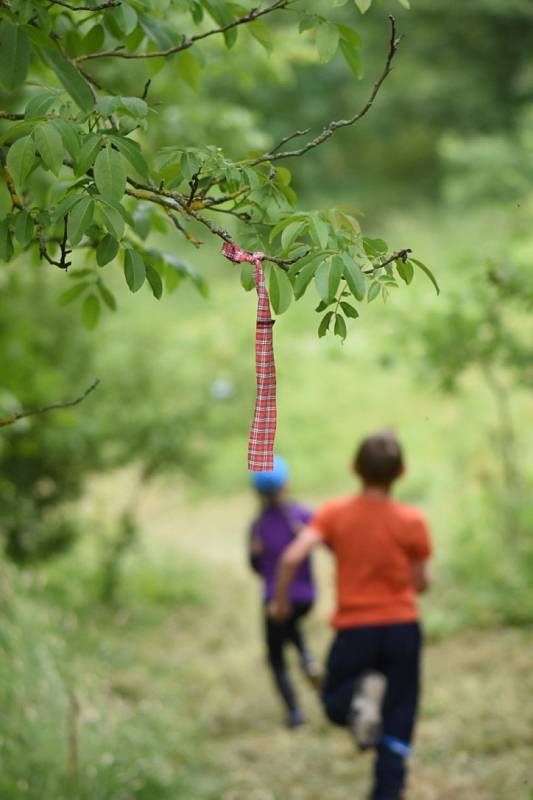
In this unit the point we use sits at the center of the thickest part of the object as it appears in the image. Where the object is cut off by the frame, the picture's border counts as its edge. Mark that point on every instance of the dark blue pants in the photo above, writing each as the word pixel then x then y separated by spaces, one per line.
pixel 393 650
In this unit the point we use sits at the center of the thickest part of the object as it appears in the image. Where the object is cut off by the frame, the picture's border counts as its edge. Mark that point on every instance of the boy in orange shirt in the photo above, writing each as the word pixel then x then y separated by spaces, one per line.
pixel 381 550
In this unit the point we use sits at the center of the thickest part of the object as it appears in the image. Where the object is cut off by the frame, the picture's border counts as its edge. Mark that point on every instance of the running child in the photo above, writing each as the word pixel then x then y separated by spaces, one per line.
pixel 381 550
pixel 278 524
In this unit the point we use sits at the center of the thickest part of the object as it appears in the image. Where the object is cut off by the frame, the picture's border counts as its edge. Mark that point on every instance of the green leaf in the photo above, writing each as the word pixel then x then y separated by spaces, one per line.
pixel 363 5
pixel 125 17
pixel 88 152
pixel 90 311
pixel 132 153
pixel 69 134
pixel 405 270
pixel 74 292
pixel 222 15
pixel 134 106
pixel 23 228
pixel 247 276
pixel 405 3
pixel 350 35
pixel 154 279
pixel 157 31
pixel 373 291
pixel 79 219
pixel 340 326
pixel 15 131
pixel 324 324
pixel 106 250
pixel 354 277
pixel 327 40
pixel 290 233
pixel 327 278
pixel 110 173
pixel 319 230
pixel 280 289
pixel 349 310
pixel 107 296
pixel 427 271
pixel 374 247
pixel 352 57
pixel 304 277
pixel 262 33
pixel 50 145
pixel 93 40
pixel 134 269
pixel 39 104
pixel 113 221
pixel 15 55
pixel 307 23
pixel 190 164
pixel 71 79
pixel 65 205
pixel 20 158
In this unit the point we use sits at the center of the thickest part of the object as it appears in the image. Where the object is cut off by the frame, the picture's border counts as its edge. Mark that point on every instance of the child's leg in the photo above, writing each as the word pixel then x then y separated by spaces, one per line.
pixel 310 665
pixel 400 663
pixel 354 652
pixel 276 638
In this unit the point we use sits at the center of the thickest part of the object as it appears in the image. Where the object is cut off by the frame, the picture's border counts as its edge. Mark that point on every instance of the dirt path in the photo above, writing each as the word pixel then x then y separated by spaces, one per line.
pixel 475 737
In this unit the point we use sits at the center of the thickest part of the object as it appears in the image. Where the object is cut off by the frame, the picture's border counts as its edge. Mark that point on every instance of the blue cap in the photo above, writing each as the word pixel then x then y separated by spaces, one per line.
pixel 273 480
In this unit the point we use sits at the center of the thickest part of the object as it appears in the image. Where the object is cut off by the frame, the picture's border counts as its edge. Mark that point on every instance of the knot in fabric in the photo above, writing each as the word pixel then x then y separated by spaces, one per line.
pixel 263 430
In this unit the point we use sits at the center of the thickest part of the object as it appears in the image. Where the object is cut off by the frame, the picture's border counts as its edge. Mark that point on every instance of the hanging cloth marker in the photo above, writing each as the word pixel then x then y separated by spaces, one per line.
pixel 263 430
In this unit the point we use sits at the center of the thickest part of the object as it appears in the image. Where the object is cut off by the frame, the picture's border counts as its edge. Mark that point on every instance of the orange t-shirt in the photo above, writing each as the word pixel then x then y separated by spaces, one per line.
pixel 374 540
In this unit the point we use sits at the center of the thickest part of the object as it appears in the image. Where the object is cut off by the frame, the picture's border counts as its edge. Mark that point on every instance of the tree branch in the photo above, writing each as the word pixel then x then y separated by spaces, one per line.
pixel 100 7
pixel 188 42
pixel 45 409
pixel 16 202
pixel 330 129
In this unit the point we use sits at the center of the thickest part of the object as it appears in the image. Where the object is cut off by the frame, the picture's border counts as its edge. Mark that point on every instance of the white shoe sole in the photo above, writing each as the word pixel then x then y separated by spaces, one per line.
pixel 365 723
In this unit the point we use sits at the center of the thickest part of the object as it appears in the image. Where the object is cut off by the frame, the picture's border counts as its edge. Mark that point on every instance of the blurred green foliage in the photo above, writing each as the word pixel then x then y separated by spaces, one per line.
pixel 83 180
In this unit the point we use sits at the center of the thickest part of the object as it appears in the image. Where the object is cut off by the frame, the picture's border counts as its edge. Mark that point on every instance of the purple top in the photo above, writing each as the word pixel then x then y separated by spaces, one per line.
pixel 275 529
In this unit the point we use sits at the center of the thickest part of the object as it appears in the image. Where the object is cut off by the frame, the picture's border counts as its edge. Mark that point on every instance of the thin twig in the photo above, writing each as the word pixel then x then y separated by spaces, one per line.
pixel 186 43
pixel 100 7
pixel 146 88
pixel 45 409
pixel 12 117
pixel 65 252
pixel 289 137
pixel 399 255
pixel 330 129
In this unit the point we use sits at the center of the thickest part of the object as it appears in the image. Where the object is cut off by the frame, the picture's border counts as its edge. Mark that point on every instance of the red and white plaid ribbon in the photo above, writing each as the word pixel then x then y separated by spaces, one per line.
pixel 263 430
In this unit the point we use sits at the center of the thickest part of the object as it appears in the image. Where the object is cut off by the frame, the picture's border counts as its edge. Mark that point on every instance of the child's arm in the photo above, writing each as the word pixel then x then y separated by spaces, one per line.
pixel 293 556
pixel 421 576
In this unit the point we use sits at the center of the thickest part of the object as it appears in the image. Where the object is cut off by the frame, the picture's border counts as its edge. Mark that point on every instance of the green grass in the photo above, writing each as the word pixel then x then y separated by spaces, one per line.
pixel 172 699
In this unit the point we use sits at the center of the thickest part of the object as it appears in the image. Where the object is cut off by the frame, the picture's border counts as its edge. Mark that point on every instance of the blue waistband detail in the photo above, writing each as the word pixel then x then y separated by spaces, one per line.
pixel 396 745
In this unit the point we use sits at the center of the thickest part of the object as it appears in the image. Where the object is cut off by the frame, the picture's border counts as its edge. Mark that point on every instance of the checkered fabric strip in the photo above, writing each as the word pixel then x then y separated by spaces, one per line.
pixel 263 430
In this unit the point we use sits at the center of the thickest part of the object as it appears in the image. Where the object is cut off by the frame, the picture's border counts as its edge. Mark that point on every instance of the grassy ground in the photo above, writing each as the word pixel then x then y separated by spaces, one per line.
pixel 169 698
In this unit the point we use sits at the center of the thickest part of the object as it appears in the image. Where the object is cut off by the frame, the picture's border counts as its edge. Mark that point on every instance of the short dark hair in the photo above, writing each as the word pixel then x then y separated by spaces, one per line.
pixel 379 459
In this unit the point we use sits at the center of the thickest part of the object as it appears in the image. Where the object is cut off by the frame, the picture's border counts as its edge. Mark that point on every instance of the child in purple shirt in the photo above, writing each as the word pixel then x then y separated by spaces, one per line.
pixel 278 523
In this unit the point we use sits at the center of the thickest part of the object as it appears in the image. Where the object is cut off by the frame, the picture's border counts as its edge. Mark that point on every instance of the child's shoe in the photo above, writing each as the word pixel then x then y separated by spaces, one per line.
pixel 364 720
pixel 295 719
